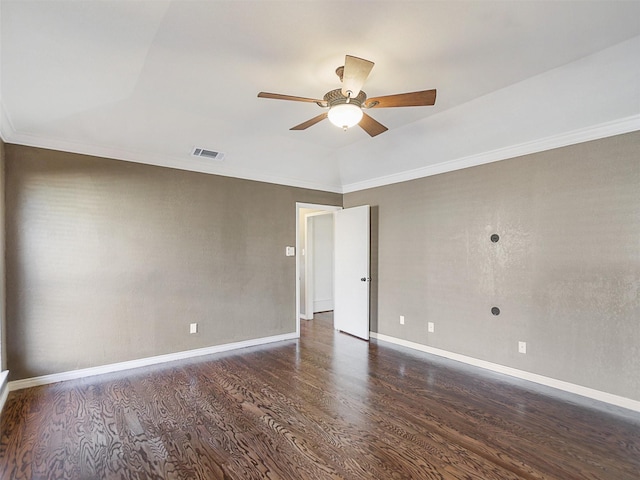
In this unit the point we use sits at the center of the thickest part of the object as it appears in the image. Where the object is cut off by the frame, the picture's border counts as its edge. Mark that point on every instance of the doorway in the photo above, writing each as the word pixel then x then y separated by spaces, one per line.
pixel 312 295
pixel 316 295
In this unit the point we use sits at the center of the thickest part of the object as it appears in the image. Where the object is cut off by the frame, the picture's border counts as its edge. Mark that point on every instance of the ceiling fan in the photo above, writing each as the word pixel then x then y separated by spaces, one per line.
pixel 345 105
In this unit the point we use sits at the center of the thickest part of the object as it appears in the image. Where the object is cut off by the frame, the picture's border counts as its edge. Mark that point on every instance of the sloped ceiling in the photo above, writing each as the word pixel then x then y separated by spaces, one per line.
pixel 147 81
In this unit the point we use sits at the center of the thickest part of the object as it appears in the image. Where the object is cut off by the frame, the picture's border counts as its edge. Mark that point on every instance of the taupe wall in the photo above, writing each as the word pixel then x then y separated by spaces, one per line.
pixel 110 261
pixel 565 273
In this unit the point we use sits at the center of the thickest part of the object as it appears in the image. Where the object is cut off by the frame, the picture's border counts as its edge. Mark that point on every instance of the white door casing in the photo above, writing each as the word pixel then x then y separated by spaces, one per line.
pixel 299 258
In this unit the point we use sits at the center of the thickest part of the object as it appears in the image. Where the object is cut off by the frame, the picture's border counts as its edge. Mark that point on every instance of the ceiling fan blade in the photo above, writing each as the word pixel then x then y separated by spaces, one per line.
pixel 413 99
pixel 371 126
pixel 278 96
pixel 309 123
pixel 356 71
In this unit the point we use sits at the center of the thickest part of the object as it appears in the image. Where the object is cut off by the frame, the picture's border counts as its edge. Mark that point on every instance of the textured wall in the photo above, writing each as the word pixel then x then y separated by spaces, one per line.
pixel 110 261
pixel 565 273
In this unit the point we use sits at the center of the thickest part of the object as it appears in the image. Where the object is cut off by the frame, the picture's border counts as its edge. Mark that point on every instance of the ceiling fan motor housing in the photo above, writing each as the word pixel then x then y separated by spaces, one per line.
pixel 335 97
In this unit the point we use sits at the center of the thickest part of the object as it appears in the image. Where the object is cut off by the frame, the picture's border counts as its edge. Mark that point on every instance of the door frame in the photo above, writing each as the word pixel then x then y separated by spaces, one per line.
pixel 313 206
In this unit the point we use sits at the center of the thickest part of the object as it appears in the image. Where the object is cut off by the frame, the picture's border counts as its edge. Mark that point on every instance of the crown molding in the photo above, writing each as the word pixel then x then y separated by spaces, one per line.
pixel 9 135
pixel 179 163
pixel 596 132
pixel 607 129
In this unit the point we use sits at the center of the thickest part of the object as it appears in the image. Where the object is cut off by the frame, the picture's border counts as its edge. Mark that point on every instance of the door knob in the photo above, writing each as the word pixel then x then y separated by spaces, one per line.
pixel 365 279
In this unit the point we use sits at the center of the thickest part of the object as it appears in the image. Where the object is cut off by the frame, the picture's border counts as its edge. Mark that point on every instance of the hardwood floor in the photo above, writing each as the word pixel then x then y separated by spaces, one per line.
pixel 327 406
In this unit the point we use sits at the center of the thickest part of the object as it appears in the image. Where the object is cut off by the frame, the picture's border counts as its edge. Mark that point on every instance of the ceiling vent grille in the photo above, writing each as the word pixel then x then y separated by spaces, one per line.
pixel 211 154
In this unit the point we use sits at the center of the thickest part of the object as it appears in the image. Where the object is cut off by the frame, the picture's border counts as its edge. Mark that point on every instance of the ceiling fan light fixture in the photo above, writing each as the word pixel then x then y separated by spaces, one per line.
pixel 345 115
pixel 345 104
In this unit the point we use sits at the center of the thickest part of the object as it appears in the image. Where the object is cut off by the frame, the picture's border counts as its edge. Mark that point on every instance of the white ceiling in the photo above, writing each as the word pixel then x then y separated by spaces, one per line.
pixel 148 80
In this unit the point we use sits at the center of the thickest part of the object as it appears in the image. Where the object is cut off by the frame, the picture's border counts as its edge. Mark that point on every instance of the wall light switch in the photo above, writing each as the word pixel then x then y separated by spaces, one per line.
pixel 193 328
pixel 431 327
pixel 522 347
pixel 290 251
pixel 401 319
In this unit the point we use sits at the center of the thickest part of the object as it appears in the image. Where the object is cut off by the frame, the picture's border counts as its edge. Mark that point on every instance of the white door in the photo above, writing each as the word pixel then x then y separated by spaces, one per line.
pixel 351 281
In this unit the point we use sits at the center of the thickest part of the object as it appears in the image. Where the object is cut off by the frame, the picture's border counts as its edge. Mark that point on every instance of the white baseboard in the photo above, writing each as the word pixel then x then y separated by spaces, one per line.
pixel 4 388
pixel 144 362
pixel 323 305
pixel 514 372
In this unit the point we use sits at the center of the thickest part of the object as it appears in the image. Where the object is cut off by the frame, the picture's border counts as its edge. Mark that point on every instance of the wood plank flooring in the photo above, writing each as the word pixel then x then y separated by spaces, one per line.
pixel 328 406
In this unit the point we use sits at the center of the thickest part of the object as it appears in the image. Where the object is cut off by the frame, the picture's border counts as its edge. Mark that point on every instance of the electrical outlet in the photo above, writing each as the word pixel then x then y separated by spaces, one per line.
pixel 522 347
pixel 401 319
pixel 193 328
pixel 431 327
